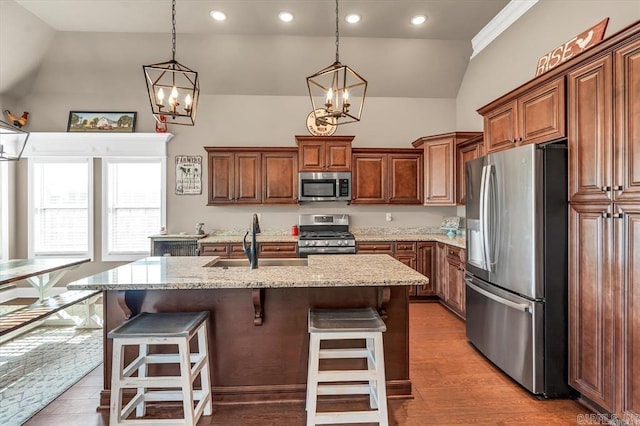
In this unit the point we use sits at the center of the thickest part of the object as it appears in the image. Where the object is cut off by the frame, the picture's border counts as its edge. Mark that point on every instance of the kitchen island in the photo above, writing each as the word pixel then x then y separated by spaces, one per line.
pixel 258 318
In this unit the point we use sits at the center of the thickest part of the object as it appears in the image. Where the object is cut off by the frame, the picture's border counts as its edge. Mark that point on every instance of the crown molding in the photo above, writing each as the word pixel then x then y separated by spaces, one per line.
pixel 503 20
pixel 81 144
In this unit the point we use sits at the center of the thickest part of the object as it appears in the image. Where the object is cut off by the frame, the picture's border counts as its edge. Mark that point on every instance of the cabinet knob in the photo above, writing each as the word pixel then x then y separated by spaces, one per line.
pixel 605 188
pixel 617 188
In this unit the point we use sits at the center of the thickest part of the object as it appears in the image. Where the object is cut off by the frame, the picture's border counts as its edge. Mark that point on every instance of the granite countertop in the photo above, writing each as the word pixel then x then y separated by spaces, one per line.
pixel 191 272
pixel 458 241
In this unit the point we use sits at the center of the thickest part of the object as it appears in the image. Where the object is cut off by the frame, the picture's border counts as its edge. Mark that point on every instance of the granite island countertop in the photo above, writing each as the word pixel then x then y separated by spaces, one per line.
pixel 195 272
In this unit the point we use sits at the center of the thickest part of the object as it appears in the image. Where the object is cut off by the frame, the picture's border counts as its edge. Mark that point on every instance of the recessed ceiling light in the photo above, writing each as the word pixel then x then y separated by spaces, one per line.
pixel 352 18
pixel 285 16
pixel 218 15
pixel 418 20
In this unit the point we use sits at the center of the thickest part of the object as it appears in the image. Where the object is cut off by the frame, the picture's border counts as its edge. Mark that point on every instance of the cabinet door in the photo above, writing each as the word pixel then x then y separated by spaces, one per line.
pixel 375 247
pixel 275 250
pixel 214 249
pixel 627 132
pixel 369 184
pixel 465 152
pixel 221 178
pixel 426 265
pixel 541 115
pixel 405 178
pixel 591 304
pixel 455 275
pixel 500 128
pixel 247 178
pixel 280 177
pixel 628 268
pixel 589 139
pixel 439 157
pixel 311 156
pixel 337 156
pixel 442 282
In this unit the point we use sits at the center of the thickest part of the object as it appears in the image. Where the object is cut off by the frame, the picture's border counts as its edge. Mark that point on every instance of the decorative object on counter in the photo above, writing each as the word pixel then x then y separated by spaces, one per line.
pixel 451 224
pixel 583 41
pixel 294 230
pixel 161 124
pixel 318 128
pixel 188 174
pixel 12 142
pixel 18 122
pixel 176 81
pixel 96 121
pixel 163 230
pixel 339 88
pixel 199 230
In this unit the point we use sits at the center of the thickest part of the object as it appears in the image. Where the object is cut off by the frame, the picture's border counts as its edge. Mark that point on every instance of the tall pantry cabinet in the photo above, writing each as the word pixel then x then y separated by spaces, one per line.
pixel 603 110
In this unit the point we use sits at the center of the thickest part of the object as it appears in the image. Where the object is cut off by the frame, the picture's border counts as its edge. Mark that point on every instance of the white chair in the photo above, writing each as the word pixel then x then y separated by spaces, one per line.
pixel 148 329
pixel 342 324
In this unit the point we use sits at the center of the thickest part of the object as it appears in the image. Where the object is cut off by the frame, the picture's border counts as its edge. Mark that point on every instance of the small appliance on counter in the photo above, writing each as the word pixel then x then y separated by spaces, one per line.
pixel 325 234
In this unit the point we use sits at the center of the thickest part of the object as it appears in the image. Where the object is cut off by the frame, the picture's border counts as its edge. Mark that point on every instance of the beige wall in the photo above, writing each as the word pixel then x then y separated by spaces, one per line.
pixel 510 60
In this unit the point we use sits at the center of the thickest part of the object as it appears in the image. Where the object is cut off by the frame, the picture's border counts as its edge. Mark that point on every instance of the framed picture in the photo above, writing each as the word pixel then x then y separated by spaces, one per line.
pixel 91 121
pixel 188 174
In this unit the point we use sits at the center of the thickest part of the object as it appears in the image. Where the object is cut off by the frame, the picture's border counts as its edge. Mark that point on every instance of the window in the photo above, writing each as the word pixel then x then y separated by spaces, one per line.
pixel 133 206
pixel 4 210
pixel 60 207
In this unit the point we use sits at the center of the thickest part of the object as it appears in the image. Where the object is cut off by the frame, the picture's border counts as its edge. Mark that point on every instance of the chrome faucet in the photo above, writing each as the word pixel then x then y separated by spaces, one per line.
pixel 252 250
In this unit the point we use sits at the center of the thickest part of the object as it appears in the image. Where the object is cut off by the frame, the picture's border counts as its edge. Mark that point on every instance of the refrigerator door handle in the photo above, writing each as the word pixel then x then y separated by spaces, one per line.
pixel 496 298
pixel 490 233
pixel 484 216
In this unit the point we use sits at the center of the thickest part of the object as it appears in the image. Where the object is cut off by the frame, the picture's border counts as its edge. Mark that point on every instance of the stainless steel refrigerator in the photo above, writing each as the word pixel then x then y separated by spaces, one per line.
pixel 516 279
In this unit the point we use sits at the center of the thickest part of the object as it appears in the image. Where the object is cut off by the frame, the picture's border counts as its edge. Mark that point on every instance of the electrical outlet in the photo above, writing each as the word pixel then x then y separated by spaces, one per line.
pixel 388 217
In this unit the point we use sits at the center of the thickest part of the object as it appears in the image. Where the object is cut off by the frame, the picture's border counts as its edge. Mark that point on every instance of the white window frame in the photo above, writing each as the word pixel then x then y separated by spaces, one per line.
pixel 31 206
pixel 4 210
pixel 106 256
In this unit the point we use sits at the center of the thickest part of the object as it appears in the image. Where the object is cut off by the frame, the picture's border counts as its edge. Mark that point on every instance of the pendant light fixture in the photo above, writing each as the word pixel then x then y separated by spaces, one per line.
pixel 337 92
pixel 12 142
pixel 173 88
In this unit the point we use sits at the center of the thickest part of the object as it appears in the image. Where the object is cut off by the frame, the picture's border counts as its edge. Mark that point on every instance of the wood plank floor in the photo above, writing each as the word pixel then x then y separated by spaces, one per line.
pixel 452 384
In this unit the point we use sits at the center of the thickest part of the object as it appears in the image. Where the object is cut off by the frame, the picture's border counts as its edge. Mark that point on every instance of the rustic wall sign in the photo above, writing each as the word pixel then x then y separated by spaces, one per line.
pixel 586 39
pixel 188 174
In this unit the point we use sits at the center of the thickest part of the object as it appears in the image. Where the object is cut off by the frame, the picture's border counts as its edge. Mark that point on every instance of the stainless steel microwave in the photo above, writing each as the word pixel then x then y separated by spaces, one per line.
pixel 324 186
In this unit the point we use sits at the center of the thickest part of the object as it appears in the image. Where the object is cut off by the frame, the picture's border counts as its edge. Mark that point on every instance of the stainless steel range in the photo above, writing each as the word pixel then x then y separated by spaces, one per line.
pixel 325 234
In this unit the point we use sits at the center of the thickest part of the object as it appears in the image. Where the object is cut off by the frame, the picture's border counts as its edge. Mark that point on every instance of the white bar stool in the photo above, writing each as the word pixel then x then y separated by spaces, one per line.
pixel 161 329
pixel 343 324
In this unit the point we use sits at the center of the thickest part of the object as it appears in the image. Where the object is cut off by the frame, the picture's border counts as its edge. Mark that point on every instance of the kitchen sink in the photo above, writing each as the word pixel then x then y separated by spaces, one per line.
pixel 244 263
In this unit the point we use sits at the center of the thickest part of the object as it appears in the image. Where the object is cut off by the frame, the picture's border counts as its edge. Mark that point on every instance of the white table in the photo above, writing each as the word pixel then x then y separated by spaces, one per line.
pixel 42 274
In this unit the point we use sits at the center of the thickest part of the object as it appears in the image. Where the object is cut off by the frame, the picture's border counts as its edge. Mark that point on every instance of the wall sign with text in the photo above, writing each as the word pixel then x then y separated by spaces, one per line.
pixel 188 174
pixel 586 39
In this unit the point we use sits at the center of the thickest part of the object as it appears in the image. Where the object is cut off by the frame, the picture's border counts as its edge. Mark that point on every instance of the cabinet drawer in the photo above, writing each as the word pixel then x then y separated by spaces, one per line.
pixel 454 254
pixel 278 249
pixel 208 249
pixel 404 246
pixel 236 252
pixel 375 247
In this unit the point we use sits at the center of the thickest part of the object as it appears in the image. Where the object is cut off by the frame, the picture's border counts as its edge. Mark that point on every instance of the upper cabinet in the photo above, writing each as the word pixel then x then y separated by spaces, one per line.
pixel 440 166
pixel 387 176
pixel 467 150
pixel 535 116
pixel 252 175
pixel 324 153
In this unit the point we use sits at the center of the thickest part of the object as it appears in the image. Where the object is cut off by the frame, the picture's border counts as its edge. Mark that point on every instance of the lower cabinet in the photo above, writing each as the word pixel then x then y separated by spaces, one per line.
pixel 450 283
pixel 274 250
pixel 224 250
pixel 426 265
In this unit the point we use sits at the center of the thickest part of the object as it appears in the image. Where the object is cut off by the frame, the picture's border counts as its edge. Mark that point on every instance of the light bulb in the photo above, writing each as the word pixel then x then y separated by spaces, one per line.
pixel 160 96
pixel 345 97
pixel 329 96
pixel 174 92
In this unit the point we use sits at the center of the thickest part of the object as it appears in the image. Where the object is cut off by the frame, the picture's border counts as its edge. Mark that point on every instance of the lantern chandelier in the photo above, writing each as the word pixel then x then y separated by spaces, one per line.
pixel 12 142
pixel 337 92
pixel 172 87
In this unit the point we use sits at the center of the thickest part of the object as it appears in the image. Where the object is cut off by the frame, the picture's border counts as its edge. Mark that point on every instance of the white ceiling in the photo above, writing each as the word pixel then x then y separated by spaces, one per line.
pixel 447 19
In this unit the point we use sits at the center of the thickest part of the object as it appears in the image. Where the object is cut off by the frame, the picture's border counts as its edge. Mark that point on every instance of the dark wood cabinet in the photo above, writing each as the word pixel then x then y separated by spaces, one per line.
pixel 375 247
pixel 535 116
pixel 426 265
pixel 466 151
pixel 405 252
pixel 387 176
pixel 440 166
pixel 604 233
pixel 277 249
pixel 252 175
pixel 234 177
pixel 280 177
pixel 324 153
pixel 450 286
pixel 442 282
